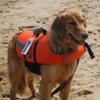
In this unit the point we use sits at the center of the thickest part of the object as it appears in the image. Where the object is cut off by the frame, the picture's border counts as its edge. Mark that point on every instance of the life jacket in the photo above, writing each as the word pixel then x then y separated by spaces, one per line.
pixel 40 50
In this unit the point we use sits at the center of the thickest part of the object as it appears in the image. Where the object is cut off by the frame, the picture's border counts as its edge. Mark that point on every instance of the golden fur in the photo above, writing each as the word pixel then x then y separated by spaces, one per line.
pixel 68 21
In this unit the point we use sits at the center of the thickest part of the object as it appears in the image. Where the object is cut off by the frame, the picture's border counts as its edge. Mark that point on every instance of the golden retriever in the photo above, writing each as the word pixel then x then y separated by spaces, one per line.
pixel 68 22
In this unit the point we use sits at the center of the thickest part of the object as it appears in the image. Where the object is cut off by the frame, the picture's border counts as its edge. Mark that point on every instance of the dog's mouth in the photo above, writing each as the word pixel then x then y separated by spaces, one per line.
pixel 83 43
pixel 76 40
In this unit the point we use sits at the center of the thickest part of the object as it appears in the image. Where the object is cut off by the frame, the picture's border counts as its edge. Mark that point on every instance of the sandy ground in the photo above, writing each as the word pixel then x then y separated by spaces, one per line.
pixel 23 14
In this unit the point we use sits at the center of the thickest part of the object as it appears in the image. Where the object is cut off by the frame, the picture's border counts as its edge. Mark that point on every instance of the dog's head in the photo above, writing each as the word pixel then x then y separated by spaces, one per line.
pixel 70 24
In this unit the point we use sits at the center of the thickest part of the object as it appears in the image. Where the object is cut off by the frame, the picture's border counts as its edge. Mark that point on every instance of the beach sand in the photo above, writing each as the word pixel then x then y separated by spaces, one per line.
pixel 16 15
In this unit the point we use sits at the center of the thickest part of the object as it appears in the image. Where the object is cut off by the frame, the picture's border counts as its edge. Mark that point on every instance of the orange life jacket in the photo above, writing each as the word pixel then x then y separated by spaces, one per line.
pixel 43 53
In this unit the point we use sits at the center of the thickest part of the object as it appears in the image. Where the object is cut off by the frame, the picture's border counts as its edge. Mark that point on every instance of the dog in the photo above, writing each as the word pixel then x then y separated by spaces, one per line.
pixel 69 23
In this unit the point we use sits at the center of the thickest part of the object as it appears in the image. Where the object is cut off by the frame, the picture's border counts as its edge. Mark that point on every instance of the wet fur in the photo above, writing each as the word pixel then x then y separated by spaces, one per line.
pixel 68 21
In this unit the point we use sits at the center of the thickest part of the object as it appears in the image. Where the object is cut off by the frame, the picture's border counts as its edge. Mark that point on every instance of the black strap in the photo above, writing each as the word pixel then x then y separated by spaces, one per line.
pixel 34 51
pixel 89 50
pixel 61 86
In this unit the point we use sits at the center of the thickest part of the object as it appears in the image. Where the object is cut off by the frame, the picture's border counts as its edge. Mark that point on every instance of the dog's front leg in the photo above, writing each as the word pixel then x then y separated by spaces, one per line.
pixel 45 90
pixel 65 91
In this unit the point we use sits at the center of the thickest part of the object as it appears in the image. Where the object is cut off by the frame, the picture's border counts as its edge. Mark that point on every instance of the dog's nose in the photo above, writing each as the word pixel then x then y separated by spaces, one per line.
pixel 84 35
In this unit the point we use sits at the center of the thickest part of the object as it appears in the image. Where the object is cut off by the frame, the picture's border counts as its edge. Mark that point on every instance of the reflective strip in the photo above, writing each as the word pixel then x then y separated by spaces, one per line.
pixel 20 44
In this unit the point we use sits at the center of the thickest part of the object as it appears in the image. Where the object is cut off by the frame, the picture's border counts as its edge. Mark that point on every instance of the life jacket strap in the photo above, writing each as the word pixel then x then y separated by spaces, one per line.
pixel 20 44
pixel 89 50
pixel 34 51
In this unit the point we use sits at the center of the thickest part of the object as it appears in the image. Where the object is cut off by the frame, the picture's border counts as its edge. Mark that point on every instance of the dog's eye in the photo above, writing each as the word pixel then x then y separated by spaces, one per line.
pixel 72 23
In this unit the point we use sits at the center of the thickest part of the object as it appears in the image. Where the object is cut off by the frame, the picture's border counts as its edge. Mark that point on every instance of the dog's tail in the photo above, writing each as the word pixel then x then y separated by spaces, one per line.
pixel 16 69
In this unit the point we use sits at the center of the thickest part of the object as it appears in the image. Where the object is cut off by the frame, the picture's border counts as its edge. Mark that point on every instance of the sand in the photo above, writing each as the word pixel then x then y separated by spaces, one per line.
pixel 16 15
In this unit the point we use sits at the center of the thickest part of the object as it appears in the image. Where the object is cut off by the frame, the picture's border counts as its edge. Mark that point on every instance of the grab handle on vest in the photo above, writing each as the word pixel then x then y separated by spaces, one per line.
pixel 89 50
pixel 37 31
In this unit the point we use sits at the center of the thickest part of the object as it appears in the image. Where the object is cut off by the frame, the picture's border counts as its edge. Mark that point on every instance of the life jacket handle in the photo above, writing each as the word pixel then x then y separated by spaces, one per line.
pixel 37 31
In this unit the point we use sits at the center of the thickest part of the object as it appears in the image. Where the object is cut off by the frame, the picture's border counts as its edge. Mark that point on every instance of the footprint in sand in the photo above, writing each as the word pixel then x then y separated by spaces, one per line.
pixel 84 92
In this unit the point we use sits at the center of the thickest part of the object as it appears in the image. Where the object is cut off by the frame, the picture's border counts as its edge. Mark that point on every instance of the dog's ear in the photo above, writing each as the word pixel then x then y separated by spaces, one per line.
pixel 58 25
